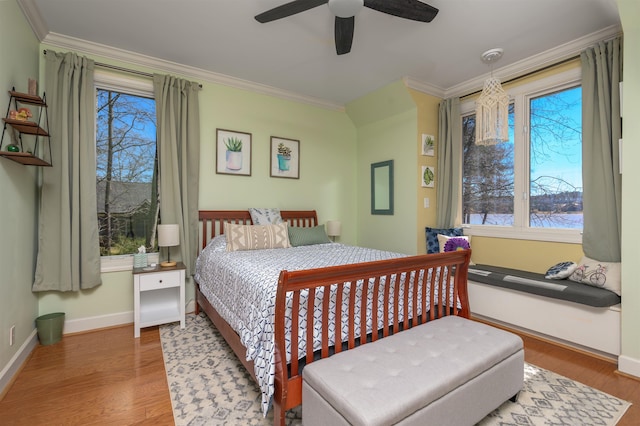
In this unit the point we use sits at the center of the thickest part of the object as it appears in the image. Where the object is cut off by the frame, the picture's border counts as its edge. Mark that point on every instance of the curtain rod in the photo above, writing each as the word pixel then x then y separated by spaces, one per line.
pixel 127 70
pixel 530 73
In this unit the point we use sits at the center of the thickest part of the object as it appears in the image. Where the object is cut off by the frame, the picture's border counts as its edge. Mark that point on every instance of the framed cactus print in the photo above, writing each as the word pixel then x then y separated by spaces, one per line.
pixel 285 158
pixel 233 152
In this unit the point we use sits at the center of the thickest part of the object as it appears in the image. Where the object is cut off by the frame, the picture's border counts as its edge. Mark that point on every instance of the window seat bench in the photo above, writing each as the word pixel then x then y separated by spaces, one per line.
pixel 573 313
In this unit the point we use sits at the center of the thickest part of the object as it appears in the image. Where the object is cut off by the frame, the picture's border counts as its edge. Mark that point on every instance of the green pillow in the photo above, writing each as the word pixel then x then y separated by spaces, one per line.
pixel 307 236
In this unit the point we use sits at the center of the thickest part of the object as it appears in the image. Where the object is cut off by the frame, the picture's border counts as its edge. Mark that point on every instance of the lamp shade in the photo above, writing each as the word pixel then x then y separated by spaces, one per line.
pixel 168 235
pixel 334 228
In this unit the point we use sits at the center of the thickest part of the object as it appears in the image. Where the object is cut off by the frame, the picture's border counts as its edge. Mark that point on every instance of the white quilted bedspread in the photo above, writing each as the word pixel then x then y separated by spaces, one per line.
pixel 241 286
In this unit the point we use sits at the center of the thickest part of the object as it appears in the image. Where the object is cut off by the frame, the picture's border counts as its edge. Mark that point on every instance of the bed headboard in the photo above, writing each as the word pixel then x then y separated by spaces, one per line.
pixel 212 221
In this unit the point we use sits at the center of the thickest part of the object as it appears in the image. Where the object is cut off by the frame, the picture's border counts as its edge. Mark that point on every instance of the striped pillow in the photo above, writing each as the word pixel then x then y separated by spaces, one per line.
pixel 256 237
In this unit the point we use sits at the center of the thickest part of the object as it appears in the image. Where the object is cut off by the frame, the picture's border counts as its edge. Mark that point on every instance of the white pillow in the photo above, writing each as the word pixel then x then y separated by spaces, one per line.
pixel 561 271
pixel 256 237
pixel 598 274
pixel 442 240
pixel 265 216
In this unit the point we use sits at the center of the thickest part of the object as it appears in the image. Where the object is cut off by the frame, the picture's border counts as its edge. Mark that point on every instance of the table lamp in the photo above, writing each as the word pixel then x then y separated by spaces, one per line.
pixel 168 236
pixel 334 228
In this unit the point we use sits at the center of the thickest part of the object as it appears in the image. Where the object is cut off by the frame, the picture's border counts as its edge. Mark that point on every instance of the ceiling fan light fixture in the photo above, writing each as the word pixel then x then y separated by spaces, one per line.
pixel 492 107
pixel 345 8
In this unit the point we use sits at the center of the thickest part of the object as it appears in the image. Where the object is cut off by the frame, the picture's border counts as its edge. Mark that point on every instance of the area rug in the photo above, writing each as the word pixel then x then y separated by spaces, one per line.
pixel 209 386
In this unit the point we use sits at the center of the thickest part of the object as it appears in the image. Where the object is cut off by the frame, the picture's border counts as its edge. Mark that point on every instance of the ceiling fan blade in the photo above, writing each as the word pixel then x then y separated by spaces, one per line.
pixel 288 9
pixel 344 34
pixel 408 9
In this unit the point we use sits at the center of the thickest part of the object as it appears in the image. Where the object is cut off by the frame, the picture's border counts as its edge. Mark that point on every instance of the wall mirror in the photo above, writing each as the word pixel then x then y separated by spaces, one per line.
pixel 382 187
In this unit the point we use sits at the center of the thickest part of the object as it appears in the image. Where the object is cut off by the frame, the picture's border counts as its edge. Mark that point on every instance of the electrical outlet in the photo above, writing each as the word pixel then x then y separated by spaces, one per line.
pixel 12 335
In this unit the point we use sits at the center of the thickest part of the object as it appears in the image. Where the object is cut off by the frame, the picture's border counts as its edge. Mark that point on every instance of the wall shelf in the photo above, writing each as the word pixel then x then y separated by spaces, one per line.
pixel 26 127
pixel 17 128
pixel 24 158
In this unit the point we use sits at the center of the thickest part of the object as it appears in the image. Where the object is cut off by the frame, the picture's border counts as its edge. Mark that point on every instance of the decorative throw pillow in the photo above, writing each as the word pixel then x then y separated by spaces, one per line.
pixel 598 274
pixel 265 216
pixel 256 237
pixel 301 236
pixel 453 243
pixel 561 271
pixel 433 246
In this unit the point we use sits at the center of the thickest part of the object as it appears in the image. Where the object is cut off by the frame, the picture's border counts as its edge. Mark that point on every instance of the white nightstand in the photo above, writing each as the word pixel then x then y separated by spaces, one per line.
pixel 158 296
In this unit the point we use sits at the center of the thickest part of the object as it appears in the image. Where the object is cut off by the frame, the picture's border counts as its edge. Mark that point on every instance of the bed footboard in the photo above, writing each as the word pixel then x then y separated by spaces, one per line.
pixel 400 293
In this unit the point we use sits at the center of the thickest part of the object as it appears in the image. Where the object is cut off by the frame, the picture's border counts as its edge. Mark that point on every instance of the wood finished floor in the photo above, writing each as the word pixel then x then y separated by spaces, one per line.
pixel 109 378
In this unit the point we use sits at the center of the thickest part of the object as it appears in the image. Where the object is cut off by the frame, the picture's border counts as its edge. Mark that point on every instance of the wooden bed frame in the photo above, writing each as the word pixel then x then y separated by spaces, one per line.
pixel 370 276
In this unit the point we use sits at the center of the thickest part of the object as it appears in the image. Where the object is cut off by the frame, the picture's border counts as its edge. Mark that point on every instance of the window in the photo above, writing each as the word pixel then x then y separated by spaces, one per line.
pixel 488 178
pixel 531 186
pixel 555 169
pixel 127 198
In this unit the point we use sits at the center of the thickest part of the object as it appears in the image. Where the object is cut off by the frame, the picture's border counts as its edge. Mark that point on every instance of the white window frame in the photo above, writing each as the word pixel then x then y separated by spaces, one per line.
pixel 134 86
pixel 520 96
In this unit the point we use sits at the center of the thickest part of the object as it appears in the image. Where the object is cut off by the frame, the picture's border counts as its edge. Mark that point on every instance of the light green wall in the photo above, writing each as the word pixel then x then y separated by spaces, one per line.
pixel 337 150
pixel 327 156
pixel 18 189
pixel 114 296
pixel 630 16
pixel 327 180
pixel 386 123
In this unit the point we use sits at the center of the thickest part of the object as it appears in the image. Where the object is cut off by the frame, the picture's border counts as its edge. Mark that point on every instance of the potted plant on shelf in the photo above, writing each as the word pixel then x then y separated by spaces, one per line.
pixel 284 156
pixel 234 153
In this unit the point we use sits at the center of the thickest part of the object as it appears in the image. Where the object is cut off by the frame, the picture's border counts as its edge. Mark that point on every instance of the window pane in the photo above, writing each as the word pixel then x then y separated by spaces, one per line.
pixel 487 178
pixel 126 177
pixel 555 184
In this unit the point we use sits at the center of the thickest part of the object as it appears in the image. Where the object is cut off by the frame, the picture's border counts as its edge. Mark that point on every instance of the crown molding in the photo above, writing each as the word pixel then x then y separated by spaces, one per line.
pixel 108 52
pixel 423 87
pixel 32 14
pixel 514 70
pixel 536 62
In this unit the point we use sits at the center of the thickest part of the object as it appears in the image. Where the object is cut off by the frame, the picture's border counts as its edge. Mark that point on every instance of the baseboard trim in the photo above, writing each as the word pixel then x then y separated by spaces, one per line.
pixel 93 323
pixel 629 366
pixel 612 358
pixel 11 370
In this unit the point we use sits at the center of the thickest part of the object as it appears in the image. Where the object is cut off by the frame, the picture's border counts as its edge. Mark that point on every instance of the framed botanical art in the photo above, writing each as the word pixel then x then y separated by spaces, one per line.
pixel 285 158
pixel 233 152
pixel 428 145
pixel 428 176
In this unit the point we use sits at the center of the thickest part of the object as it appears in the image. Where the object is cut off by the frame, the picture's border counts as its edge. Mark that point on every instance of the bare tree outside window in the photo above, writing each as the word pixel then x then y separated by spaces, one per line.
pixel 126 178
pixel 555 184
pixel 554 175
pixel 488 177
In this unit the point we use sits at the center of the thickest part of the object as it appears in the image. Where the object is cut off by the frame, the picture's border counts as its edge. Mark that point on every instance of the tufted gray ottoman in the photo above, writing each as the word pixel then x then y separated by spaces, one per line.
pixel 452 371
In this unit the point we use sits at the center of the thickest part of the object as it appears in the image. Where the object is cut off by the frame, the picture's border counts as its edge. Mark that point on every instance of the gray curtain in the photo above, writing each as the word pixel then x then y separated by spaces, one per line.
pixel 448 173
pixel 68 246
pixel 178 124
pixel 601 129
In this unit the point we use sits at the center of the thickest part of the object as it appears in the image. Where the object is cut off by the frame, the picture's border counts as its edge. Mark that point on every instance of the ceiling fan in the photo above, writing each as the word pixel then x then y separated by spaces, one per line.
pixel 345 11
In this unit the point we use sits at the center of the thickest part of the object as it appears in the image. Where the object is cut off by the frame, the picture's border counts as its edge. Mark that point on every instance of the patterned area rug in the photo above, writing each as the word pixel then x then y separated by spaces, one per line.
pixel 209 386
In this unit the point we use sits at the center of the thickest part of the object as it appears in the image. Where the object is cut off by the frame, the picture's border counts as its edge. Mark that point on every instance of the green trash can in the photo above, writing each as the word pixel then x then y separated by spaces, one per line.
pixel 50 328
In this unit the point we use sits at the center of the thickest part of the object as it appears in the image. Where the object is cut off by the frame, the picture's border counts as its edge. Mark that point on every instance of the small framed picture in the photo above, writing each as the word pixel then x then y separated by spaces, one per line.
pixel 233 152
pixel 428 176
pixel 428 145
pixel 285 158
